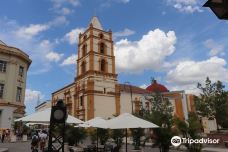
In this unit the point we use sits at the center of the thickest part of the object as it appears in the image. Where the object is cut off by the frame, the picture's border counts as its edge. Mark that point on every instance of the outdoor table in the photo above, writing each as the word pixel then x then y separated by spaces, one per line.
pixel 77 149
pixel 101 148
pixel 90 148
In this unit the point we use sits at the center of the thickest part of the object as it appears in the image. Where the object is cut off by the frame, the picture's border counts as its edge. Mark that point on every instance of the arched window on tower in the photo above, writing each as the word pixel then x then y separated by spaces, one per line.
pixel 103 65
pixel 84 50
pixel 85 37
pixel 83 67
pixel 101 36
pixel 102 48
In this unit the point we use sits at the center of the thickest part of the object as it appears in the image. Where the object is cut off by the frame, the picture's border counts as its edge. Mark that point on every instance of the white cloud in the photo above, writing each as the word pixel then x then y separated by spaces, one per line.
pixel 215 48
pixel 66 11
pixel 108 3
pixel 31 99
pixel 60 3
pixel 143 86
pixel 72 36
pixel 148 53
pixel 32 95
pixel 187 74
pixel 126 32
pixel 123 1
pixel 35 47
pixel 187 6
pixel 54 56
pixel 31 30
pixel 59 20
pixel 70 60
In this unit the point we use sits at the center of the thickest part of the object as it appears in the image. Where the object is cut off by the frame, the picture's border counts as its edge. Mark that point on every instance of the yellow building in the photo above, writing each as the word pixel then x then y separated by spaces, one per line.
pixel 14 65
pixel 95 91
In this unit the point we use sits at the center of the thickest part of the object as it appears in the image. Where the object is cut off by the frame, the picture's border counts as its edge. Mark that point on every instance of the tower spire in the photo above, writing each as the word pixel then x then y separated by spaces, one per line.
pixel 96 23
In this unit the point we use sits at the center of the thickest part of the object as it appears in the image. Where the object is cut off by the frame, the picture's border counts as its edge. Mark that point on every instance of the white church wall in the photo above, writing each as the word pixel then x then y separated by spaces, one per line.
pixel 104 106
pixel 125 101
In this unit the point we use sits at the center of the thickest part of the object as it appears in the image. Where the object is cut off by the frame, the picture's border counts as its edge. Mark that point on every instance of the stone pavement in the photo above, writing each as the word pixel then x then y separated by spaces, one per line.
pixel 211 149
pixel 17 147
pixel 25 147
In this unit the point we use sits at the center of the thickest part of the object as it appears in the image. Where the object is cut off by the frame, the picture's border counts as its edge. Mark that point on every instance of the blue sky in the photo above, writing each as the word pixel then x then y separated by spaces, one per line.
pixel 175 41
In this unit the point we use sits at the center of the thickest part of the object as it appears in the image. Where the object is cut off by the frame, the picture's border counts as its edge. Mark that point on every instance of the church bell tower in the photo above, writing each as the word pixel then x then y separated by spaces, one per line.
pixel 97 92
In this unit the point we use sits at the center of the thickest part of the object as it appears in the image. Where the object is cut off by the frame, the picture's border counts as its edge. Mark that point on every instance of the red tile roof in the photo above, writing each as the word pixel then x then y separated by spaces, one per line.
pixel 133 89
pixel 156 87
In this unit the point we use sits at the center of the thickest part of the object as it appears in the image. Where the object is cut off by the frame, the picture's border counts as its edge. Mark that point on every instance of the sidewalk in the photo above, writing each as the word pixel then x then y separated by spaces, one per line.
pixel 213 149
pixel 4 149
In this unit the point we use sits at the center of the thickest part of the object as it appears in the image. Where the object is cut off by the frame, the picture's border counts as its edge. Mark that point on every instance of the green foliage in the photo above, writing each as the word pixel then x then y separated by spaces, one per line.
pixel 161 115
pixel 74 135
pixel 162 138
pixel 213 102
pixel 26 130
pixel 137 133
pixel 117 135
pixel 190 129
pixel 103 135
pixel 93 135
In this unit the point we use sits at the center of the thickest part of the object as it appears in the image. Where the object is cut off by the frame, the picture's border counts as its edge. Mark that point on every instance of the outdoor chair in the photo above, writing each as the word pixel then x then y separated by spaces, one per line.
pixel 101 148
pixel 108 148
pixel 90 148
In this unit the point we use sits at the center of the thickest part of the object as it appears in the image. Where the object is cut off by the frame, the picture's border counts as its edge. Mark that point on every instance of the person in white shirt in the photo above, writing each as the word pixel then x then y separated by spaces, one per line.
pixel 43 138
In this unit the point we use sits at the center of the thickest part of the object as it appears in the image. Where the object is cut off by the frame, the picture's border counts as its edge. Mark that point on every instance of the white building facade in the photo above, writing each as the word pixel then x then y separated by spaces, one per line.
pixel 14 64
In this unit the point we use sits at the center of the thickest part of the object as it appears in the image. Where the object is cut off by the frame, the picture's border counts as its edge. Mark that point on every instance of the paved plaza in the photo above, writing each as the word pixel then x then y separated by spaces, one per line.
pixel 25 147
pixel 17 147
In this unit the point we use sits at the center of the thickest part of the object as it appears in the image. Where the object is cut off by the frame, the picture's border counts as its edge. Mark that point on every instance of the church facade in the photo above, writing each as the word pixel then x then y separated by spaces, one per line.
pixel 96 92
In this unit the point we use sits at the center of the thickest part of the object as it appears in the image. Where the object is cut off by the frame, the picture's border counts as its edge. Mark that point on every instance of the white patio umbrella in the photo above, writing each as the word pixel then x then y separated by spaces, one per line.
pixel 126 120
pixel 96 122
pixel 44 117
pixel 31 124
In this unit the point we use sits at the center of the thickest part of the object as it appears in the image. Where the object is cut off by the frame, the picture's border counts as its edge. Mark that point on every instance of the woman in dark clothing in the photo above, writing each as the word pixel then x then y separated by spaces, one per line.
pixel 3 135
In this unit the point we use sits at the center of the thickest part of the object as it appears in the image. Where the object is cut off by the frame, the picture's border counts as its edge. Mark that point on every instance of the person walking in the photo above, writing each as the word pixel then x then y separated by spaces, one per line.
pixel 43 138
pixel 35 142
pixel 3 135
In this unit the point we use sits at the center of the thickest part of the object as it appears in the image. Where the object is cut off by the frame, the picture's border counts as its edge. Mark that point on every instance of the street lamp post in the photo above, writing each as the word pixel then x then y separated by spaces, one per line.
pixel 57 127
pixel 219 7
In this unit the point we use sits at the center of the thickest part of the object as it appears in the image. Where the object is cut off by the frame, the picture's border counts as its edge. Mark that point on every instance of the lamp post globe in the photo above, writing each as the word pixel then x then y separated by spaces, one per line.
pixel 58 114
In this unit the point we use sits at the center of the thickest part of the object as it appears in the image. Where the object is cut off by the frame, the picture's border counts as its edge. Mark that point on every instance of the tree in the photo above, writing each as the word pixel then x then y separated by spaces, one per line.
pixel 103 135
pixel 161 115
pixel 137 133
pixel 74 135
pixel 117 135
pixel 213 102
pixel 190 129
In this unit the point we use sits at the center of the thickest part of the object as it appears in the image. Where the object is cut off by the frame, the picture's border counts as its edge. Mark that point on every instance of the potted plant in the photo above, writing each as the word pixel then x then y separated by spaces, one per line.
pixel 103 135
pixel 75 135
pixel 117 135
pixel 137 134
pixel 25 133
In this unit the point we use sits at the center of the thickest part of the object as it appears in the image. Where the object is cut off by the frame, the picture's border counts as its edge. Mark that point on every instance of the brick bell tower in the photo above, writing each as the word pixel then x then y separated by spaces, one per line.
pixel 97 91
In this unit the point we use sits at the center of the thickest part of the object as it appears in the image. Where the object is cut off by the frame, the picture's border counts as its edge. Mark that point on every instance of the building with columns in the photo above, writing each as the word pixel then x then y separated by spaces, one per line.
pixel 14 65
pixel 96 91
